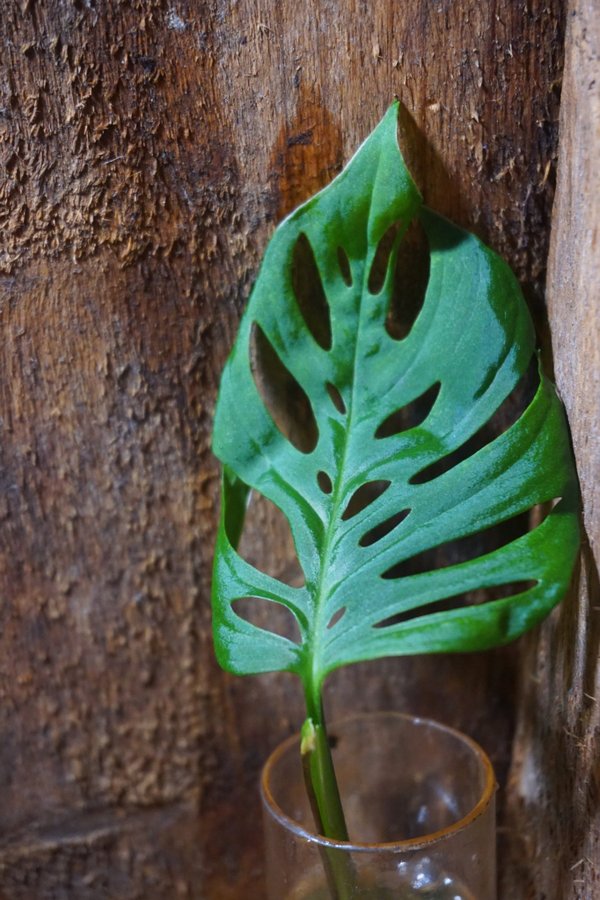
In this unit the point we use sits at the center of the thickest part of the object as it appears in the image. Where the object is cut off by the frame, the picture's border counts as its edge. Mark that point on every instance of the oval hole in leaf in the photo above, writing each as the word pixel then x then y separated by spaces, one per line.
pixel 266 542
pixel 344 264
pixel 324 482
pixel 457 602
pixel 464 549
pixel 336 398
pixel 539 512
pixel 285 399
pixel 268 615
pixel 411 415
pixel 238 498
pixel 310 296
pixel 509 411
pixel 380 531
pixel 364 496
pixel 411 277
pixel 379 266
pixel 336 616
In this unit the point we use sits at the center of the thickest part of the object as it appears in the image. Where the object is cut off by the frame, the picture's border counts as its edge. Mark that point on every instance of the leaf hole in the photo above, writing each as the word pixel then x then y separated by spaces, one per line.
pixel 344 264
pixel 310 296
pixel 411 276
pixel 411 415
pixel 363 497
pixel 324 482
pixel 336 617
pixel 336 397
pixel 269 616
pixel 464 549
pixel 509 411
pixel 236 508
pixel 381 260
pixel 283 396
pixel 459 601
pixel 266 541
pixel 384 528
pixel 539 512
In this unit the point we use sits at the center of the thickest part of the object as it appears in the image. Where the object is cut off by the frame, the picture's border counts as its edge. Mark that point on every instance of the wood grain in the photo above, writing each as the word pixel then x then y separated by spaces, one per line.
pixel 555 777
pixel 148 148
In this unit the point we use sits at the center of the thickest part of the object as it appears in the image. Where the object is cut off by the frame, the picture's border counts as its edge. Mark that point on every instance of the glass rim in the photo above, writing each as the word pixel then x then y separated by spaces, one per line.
pixel 418 843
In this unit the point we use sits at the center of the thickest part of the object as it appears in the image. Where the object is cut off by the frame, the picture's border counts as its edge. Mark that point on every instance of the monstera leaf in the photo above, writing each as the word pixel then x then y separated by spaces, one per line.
pixel 390 458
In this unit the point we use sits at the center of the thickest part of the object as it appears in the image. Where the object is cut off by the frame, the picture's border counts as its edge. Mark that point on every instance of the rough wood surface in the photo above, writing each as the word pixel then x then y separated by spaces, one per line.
pixel 148 147
pixel 555 776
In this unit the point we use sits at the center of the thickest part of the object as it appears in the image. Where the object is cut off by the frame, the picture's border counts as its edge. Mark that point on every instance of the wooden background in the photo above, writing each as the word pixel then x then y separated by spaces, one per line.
pixel 147 149
pixel 555 779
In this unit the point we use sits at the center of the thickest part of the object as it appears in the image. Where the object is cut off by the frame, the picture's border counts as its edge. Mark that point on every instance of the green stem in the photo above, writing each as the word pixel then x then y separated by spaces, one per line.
pixel 321 781
pixel 324 796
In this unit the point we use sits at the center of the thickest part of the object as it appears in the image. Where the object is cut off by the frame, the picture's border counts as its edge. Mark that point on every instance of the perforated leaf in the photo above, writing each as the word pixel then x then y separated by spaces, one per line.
pixel 375 439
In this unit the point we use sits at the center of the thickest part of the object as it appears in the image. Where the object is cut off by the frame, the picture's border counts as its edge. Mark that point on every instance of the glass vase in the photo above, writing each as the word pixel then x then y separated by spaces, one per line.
pixel 419 804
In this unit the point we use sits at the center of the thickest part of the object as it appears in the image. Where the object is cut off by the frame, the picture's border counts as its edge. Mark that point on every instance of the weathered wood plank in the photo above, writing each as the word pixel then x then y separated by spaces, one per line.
pixel 555 776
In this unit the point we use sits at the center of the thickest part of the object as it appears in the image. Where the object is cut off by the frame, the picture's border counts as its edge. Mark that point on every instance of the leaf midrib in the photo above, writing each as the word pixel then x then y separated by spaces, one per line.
pixel 317 673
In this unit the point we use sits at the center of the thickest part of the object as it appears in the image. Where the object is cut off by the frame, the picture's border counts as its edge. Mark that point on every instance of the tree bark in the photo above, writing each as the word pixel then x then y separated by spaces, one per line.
pixel 148 150
pixel 555 777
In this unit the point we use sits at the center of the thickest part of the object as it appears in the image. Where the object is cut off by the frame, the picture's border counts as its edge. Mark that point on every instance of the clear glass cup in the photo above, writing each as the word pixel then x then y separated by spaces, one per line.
pixel 419 800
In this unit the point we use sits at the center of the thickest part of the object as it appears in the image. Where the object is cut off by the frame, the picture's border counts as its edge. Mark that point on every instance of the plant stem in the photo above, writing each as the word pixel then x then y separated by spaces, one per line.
pixel 321 782
pixel 324 796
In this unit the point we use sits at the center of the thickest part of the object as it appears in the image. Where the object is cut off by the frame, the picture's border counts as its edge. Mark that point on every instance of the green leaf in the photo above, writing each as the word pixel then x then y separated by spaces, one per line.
pixel 469 348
